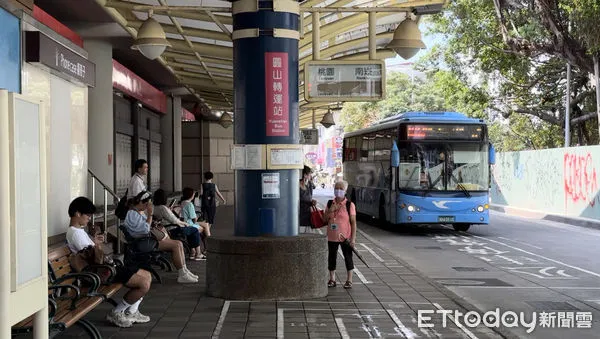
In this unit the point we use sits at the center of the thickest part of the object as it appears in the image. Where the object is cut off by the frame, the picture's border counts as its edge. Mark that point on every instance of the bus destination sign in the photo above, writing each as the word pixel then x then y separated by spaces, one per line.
pixel 329 81
pixel 444 132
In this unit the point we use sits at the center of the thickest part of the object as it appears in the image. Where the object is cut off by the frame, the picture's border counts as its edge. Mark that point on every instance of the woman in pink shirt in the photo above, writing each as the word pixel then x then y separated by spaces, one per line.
pixel 341 225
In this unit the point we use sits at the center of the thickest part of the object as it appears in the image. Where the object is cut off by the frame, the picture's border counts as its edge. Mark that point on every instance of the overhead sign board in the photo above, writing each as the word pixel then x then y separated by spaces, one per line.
pixel 309 136
pixel 361 80
pixel 43 50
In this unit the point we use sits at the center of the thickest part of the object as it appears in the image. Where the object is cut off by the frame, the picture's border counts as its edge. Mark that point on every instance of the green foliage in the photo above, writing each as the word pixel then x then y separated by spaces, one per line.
pixel 439 91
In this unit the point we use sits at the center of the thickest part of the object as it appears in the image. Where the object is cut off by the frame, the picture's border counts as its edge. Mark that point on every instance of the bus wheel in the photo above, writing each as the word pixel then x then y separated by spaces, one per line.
pixel 382 217
pixel 461 227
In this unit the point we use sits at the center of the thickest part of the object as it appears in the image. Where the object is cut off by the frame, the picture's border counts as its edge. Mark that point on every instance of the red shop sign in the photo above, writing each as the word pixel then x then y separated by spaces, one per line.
pixel 277 96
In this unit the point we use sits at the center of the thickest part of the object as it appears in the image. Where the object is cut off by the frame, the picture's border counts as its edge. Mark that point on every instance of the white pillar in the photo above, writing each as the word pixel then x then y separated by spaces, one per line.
pixel 170 151
pixel 100 115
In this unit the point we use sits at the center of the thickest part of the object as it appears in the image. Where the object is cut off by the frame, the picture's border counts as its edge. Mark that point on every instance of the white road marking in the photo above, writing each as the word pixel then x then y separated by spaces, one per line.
pixel 372 252
pixel 520 242
pixel 467 332
pixel 219 327
pixel 280 323
pixel 359 274
pixel 408 333
pixel 342 328
pixel 543 257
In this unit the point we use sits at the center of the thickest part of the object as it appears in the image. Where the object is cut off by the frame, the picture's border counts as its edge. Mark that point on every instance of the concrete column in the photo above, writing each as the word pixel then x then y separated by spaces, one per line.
pixel 100 115
pixel 170 151
pixel 265 82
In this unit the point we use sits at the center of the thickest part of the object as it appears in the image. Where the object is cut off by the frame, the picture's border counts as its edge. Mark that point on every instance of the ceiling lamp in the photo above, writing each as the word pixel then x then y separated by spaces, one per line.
pixel 327 120
pixel 151 40
pixel 226 120
pixel 407 39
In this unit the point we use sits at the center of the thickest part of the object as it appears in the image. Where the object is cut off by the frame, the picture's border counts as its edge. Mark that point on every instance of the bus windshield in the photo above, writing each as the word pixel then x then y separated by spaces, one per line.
pixel 450 166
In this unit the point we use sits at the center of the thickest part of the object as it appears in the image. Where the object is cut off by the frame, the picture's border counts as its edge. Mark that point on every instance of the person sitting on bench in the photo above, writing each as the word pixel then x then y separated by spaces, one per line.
pixel 138 222
pixel 137 280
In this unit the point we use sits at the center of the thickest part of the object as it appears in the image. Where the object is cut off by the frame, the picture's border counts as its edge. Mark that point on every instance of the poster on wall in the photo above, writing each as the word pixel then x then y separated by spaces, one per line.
pixel 277 96
pixel 270 186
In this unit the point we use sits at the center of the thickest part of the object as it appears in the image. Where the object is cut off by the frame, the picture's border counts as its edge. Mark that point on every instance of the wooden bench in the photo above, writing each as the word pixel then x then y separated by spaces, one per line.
pixel 73 295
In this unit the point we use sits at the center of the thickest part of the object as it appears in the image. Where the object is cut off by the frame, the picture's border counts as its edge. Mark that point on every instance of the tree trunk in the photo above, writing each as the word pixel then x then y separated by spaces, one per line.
pixel 597 76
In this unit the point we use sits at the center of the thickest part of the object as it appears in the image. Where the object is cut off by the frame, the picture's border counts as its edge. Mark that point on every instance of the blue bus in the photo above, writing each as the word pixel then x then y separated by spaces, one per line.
pixel 421 168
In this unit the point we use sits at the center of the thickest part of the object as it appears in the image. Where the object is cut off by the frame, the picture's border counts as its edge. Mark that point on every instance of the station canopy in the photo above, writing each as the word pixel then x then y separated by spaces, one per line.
pixel 200 34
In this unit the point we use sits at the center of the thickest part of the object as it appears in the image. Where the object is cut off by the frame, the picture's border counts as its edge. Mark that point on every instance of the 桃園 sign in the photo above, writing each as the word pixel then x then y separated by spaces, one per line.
pixel 344 80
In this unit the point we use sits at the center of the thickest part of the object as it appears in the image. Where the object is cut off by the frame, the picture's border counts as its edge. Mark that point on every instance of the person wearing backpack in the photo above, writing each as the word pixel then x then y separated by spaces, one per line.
pixel 340 217
pixel 208 191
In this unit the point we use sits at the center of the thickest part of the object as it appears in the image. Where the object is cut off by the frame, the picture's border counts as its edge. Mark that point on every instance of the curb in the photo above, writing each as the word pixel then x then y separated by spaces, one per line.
pixel 451 295
pixel 573 221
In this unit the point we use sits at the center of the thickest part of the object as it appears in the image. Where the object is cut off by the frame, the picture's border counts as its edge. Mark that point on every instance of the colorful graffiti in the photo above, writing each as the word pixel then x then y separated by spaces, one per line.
pixel 581 182
pixel 561 181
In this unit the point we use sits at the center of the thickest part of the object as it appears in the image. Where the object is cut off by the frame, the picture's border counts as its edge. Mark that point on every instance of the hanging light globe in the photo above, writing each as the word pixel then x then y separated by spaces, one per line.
pixel 151 40
pixel 407 39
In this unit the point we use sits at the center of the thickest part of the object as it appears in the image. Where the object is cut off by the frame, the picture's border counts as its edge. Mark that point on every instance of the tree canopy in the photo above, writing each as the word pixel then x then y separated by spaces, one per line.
pixel 505 61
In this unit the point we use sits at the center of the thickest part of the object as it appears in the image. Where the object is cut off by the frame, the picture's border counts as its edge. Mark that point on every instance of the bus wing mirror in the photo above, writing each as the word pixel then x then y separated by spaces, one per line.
pixel 492 152
pixel 395 155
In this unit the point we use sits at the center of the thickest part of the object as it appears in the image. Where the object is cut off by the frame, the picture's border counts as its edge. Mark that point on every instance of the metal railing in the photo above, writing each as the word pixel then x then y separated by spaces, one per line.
pixel 106 191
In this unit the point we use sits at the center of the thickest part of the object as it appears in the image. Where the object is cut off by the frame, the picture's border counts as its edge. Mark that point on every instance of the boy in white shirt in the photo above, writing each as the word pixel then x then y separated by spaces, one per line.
pixel 126 312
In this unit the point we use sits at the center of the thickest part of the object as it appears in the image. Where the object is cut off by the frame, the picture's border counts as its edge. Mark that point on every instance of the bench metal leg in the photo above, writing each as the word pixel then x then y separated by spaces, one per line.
pixel 166 264
pixel 154 274
pixel 90 329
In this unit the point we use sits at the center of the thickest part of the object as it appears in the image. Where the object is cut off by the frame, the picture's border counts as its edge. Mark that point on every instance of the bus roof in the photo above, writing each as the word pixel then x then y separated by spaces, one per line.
pixel 422 117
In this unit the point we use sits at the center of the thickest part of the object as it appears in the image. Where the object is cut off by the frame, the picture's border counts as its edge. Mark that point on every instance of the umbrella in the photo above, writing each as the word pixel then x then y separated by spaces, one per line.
pixel 347 242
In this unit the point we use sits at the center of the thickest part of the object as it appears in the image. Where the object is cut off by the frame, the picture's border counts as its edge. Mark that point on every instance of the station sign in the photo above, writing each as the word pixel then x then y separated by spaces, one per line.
pixel 41 49
pixel 328 81
pixel 309 136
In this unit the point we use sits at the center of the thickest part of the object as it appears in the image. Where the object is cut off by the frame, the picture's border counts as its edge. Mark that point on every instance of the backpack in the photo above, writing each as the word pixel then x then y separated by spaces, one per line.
pixel 208 194
pixel 121 210
pixel 348 204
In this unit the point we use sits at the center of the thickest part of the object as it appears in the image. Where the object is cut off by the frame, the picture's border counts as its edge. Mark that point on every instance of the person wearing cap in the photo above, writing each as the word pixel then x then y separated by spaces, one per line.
pixel 138 222
pixel 126 312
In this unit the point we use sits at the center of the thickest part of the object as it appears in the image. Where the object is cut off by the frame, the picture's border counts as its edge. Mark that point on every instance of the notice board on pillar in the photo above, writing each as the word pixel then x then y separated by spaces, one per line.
pixel 28 219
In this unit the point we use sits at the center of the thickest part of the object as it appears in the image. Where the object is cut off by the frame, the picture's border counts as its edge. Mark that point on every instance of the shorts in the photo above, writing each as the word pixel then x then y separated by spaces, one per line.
pixel 124 273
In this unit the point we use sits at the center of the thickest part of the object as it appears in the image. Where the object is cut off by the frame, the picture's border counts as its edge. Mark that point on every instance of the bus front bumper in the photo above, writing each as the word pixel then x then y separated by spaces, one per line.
pixel 405 217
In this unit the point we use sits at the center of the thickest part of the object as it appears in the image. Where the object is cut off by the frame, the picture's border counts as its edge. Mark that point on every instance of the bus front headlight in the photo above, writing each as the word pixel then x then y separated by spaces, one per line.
pixel 480 209
pixel 411 208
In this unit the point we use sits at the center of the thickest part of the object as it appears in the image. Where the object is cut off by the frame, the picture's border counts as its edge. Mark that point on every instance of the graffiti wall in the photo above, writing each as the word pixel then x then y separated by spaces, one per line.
pixel 560 181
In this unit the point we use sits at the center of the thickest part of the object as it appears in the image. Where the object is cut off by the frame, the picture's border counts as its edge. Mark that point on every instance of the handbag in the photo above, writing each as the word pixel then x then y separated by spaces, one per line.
pixel 84 258
pixel 316 217
pixel 157 233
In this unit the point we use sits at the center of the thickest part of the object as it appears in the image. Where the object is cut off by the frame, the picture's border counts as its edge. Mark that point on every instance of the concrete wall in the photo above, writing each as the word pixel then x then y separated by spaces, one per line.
pixel 560 181
pixel 206 147
pixel 170 151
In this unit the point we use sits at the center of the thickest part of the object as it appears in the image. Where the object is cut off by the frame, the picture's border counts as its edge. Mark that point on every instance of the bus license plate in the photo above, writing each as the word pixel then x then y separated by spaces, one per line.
pixel 446 219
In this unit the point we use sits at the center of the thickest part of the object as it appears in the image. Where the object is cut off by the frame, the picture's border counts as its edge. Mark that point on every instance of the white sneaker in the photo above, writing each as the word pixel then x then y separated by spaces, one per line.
pixel 186 279
pixel 190 273
pixel 119 319
pixel 138 317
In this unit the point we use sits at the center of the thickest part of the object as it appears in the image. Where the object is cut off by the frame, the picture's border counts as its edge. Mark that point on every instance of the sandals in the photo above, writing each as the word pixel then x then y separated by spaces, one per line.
pixel 348 284
pixel 331 283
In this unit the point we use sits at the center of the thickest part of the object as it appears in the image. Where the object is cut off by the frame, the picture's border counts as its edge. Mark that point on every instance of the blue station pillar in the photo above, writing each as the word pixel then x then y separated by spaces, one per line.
pixel 265 82
pixel 266 258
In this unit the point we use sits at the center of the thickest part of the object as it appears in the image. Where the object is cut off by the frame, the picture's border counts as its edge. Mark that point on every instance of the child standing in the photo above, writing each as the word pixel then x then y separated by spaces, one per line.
pixel 207 193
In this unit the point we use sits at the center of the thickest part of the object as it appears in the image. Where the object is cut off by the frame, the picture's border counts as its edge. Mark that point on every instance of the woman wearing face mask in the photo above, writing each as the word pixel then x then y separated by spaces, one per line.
pixel 306 200
pixel 340 217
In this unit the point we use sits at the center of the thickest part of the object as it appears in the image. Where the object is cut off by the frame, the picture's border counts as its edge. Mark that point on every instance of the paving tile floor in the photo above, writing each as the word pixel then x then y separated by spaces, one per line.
pixel 383 303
